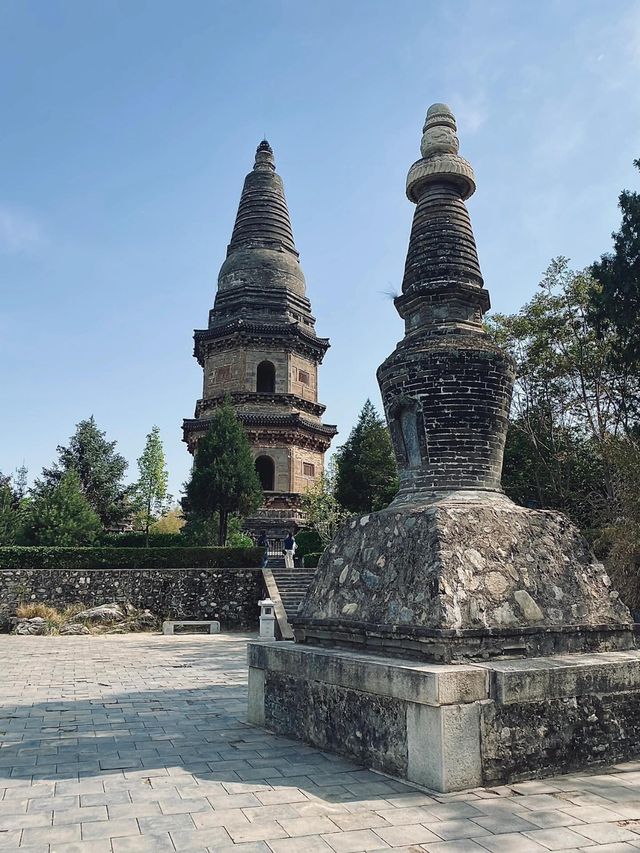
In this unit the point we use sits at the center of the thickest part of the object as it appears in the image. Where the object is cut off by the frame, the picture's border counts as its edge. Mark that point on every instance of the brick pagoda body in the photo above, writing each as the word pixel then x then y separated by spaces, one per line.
pixel 261 352
pixel 454 638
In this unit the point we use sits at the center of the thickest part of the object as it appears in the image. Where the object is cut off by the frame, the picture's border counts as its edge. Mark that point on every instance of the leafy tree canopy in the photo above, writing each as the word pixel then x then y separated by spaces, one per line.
pixel 150 491
pixel 60 514
pixel 223 478
pixel 616 304
pixel 100 471
pixel 10 520
pixel 366 470
pixel 171 521
pixel 573 399
pixel 323 511
pixel 13 507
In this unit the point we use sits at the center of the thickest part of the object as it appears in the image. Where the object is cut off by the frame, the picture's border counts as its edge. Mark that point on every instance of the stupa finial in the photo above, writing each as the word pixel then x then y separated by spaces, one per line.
pixel 264 157
pixel 440 158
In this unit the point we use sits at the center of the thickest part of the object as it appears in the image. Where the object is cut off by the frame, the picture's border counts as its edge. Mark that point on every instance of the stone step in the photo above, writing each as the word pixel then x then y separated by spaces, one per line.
pixel 292 585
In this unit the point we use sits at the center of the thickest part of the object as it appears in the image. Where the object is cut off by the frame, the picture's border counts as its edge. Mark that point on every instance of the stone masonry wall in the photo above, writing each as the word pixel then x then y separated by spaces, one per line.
pixel 229 595
pixel 535 739
pixel 337 718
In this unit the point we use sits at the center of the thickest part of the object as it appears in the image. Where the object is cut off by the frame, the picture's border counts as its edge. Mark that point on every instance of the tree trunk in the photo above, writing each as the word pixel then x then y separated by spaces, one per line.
pixel 222 529
pixel 147 524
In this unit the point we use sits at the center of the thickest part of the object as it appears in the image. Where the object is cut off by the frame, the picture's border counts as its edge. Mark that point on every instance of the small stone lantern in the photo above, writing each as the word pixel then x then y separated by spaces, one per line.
pixel 267 619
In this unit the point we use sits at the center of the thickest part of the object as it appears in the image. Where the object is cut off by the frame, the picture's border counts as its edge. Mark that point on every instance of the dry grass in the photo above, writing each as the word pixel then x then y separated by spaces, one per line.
pixel 33 609
pixel 57 618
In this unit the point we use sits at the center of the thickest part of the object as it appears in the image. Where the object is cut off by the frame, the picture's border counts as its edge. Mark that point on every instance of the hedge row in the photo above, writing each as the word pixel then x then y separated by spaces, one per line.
pixel 311 560
pixel 15 557
pixel 136 539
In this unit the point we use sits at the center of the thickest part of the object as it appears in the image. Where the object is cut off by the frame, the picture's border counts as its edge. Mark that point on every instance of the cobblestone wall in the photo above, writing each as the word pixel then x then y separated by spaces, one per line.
pixel 230 595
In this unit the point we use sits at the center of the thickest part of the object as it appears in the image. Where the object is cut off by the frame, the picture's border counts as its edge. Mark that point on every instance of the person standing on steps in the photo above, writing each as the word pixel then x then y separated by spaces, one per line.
pixel 290 548
pixel 263 542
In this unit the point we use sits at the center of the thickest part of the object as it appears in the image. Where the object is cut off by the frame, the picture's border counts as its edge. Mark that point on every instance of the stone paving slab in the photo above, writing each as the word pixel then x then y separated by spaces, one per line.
pixel 134 743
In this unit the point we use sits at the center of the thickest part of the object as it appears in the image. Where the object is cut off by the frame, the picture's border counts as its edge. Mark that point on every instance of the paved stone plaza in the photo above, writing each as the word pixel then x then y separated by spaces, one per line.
pixel 117 744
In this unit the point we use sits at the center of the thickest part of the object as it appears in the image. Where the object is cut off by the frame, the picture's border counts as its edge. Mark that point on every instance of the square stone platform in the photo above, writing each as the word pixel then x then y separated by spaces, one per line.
pixel 451 726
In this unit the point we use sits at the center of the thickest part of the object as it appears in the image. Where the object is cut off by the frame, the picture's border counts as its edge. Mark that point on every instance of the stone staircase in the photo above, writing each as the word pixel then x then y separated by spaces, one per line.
pixel 292 585
pixel 286 587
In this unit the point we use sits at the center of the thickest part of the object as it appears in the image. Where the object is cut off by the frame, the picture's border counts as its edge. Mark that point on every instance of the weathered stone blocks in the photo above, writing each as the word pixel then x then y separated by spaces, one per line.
pixel 464 576
pixel 451 727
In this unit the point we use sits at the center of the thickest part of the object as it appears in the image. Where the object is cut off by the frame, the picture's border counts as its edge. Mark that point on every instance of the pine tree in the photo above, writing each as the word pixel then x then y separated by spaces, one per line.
pixel 223 478
pixel 366 470
pixel 617 305
pixel 61 515
pixel 10 518
pixel 150 491
pixel 99 468
pixel 20 482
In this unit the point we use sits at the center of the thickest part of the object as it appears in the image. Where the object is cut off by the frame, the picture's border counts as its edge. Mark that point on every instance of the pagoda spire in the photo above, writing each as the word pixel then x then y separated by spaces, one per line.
pixel 442 283
pixel 263 217
pixel 261 276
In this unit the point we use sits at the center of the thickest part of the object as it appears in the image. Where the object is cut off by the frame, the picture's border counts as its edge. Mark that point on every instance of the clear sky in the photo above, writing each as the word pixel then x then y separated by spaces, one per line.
pixel 127 129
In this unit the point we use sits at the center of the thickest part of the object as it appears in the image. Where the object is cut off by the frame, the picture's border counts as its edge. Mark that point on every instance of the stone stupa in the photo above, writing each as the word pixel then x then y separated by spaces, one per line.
pixel 454 639
pixel 453 568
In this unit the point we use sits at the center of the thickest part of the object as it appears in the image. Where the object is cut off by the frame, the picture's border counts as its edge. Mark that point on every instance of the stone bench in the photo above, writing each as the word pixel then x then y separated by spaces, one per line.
pixel 168 627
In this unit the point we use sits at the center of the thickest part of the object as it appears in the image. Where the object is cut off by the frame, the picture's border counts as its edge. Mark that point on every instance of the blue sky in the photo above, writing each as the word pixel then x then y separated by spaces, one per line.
pixel 127 130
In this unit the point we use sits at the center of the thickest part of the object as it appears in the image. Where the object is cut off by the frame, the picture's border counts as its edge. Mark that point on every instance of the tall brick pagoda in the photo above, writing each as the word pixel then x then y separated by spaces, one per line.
pixel 261 351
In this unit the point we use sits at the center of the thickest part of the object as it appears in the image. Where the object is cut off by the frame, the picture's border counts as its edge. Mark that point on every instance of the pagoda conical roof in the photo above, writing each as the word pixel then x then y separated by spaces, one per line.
pixel 263 216
pixel 262 251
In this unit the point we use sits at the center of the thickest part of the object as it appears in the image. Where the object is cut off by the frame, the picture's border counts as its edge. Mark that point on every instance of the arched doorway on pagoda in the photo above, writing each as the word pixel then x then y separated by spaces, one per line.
pixel 266 378
pixel 266 470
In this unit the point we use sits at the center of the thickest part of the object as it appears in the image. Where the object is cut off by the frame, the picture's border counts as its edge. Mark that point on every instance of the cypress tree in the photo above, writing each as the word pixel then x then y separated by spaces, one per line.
pixel 61 515
pixel 617 305
pixel 366 470
pixel 100 470
pixel 223 478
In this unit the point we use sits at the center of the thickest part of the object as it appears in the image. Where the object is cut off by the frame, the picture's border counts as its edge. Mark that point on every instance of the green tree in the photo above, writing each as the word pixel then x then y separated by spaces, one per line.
pixel 223 477
pixel 100 470
pixel 13 507
pixel 366 470
pixel 570 399
pixel 323 511
pixel 616 304
pixel 150 491
pixel 20 482
pixel 10 520
pixel 572 442
pixel 171 521
pixel 60 514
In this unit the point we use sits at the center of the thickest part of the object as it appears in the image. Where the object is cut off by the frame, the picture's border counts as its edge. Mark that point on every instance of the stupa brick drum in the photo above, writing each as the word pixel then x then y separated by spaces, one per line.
pixel 261 352
pixel 454 638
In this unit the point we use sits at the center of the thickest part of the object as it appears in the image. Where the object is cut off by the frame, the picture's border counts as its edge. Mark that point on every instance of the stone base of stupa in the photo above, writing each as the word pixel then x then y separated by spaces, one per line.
pixel 464 576
pixel 456 726
pixel 460 642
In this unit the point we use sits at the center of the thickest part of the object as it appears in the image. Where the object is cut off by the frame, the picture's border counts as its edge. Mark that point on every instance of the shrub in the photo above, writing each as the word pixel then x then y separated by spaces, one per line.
pixel 311 560
pixel 308 542
pixel 16 557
